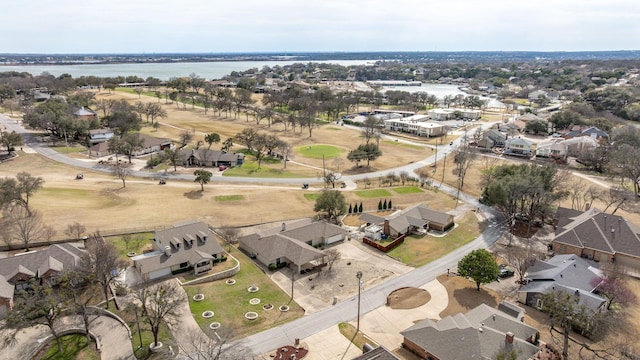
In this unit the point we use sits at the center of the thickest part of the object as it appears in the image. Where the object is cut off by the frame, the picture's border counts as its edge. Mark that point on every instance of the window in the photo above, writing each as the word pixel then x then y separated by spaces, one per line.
pixel 184 265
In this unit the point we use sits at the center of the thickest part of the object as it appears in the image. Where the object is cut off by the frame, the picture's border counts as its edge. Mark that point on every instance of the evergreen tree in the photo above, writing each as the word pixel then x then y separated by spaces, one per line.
pixel 360 209
pixel 379 205
pixel 350 208
pixel 389 206
pixel 384 205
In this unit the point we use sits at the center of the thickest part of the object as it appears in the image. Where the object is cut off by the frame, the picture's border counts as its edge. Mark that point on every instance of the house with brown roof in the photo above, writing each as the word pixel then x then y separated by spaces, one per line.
pixel 417 217
pixel 481 333
pixel 152 144
pixel 85 114
pixel 293 243
pixel 181 248
pixel 17 271
pixel 597 236
pixel 210 158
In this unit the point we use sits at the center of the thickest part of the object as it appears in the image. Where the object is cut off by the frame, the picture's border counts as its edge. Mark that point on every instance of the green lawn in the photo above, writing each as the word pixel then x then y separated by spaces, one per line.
pixel 250 169
pixel 230 302
pixel 142 352
pixel 312 197
pixel 69 149
pixel 407 190
pixel 136 243
pixel 223 198
pixel 318 151
pixel 372 193
pixel 419 250
pixel 74 346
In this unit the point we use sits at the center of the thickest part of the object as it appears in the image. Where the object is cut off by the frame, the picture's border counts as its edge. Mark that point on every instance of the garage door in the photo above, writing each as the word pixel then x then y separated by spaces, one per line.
pixel 335 238
pixel 159 273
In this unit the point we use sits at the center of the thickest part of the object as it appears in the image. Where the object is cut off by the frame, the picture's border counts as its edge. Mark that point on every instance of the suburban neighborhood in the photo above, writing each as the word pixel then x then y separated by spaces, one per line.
pixel 305 214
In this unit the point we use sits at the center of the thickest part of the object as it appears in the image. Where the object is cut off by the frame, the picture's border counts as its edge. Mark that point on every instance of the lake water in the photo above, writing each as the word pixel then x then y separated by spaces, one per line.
pixel 162 71
pixel 211 70
pixel 442 90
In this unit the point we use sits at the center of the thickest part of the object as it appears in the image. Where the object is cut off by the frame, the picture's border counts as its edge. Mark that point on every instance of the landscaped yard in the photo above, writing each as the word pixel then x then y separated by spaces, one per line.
pixel 372 193
pixel 131 243
pixel 319 151
pixel 230 303
pixel 74 346
pixel 407 190
pixel 222 198
pixel 419 250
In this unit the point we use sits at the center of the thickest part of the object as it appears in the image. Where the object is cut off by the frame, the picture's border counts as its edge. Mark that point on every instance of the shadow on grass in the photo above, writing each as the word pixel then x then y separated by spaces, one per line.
pixel 469 298
pixel 193 195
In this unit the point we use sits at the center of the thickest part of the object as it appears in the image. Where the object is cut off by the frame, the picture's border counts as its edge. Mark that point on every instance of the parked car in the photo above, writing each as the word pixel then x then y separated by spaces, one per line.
pixel 79 176
pixel 505 272
pixel 222 167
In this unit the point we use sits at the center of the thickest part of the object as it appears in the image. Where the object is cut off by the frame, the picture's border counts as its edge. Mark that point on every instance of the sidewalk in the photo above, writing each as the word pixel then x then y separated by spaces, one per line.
pixel 112 335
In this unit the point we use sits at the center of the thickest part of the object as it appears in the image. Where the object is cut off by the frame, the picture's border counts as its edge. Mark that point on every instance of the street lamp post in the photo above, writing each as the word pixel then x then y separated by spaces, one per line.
pixel 359 276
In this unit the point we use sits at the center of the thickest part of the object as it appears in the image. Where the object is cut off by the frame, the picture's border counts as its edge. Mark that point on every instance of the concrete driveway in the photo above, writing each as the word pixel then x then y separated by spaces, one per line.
pixel 383 325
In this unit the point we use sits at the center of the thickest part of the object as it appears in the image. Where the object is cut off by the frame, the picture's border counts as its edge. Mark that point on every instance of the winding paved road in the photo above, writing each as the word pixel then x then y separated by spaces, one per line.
pixel 344 311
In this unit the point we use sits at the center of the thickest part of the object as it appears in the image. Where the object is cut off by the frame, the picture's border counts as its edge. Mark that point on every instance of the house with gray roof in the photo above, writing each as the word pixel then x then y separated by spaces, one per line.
pixel 597 236
pixel 17 271
pixel 416 217
pixel 378 353
pixel 492 138
pixel 181 248
pixel 567 273
pixel 481 333
pixel 210 158
pixel 292 243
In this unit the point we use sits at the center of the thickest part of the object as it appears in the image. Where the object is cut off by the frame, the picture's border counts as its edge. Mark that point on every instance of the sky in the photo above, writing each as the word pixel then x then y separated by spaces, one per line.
pixel 227 26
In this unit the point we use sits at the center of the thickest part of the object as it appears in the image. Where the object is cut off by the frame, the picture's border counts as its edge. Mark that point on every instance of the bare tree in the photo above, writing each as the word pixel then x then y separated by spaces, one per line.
pixel 48 232
pixel 229 235
pixel 616 197
pixel 103 262
pixel 160 304
pixel 521 259
pixel 40 305
pixel 75 230
pixel 24 226
pixel 333 255
pixel 186 137
pixel 122 172
pixel 581 197
pixel 404 175
pixel 201 346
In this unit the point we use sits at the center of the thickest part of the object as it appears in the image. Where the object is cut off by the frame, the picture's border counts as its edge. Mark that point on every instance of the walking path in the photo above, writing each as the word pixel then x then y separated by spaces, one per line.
pixel 112 336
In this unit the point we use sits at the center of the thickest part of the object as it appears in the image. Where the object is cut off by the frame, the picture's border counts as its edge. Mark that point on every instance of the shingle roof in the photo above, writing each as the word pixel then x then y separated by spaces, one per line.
pixel 191 243
pixel 291 242
pixel 379 353
pixel 84 112
pixel 478 334
pixel 6 289
pixel 211 155
pixel 65 255
pixel 603 232
pixel 416 215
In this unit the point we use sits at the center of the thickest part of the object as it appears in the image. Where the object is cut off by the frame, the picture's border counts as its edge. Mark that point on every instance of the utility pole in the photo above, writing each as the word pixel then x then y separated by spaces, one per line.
pixel 359 276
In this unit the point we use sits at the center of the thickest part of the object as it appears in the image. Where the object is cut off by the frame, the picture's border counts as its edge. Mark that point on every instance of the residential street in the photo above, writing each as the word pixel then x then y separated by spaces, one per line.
pixel 325 319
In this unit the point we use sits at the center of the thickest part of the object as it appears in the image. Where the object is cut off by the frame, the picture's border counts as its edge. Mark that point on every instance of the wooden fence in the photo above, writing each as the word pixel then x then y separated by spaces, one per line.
pixel 387 247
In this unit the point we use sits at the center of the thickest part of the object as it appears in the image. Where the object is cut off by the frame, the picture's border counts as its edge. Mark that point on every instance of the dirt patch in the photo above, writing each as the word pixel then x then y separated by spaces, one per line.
pixel 463 295
pixel 408 298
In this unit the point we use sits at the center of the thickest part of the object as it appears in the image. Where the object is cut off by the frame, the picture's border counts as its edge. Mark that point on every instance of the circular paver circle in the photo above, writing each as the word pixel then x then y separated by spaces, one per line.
pixel 198 297
pixel 207 314
pixel 253 289
pixel 254 301
pixel 251 315
pixel 230 281
pixel 214 325
pixel 284 308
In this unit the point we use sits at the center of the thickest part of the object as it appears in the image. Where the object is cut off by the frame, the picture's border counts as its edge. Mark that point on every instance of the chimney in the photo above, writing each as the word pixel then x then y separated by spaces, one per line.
pixel 284 227
pixel 385 228
pixel 167 250
pixel 509 337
